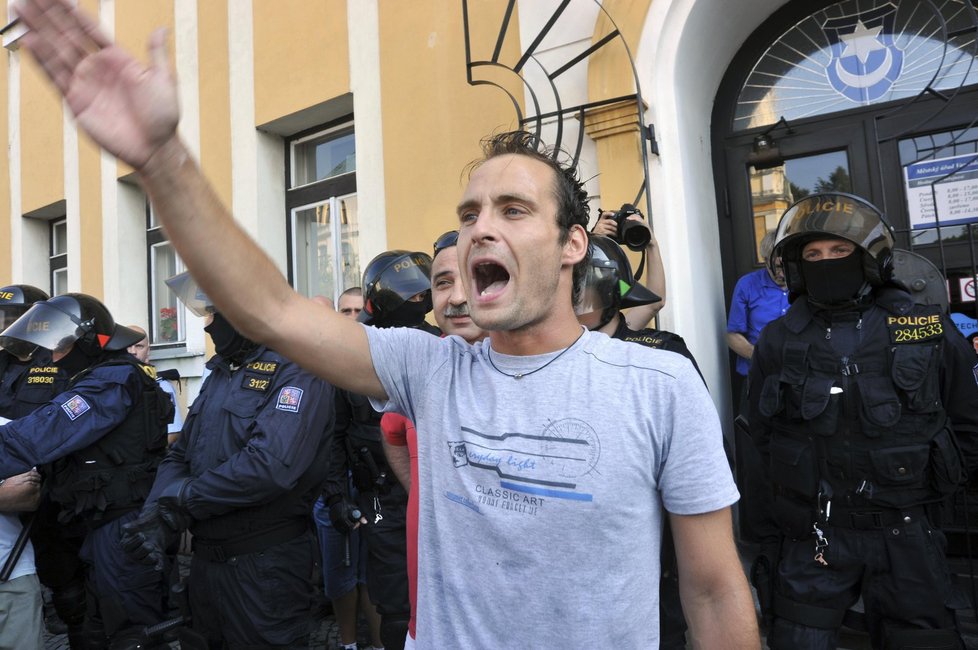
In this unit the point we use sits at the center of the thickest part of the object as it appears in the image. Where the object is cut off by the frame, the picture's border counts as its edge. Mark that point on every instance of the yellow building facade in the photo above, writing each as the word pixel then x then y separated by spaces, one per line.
pixel 333 129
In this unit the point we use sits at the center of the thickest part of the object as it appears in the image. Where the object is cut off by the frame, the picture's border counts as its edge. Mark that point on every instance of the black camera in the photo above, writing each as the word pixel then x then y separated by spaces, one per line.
pixel 634 234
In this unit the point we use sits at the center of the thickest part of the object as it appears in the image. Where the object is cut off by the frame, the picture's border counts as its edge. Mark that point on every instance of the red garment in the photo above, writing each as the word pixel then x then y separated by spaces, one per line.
pixel 399 431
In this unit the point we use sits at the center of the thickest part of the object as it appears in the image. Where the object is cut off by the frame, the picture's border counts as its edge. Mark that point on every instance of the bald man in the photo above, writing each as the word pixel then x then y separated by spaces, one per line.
pixel 140 350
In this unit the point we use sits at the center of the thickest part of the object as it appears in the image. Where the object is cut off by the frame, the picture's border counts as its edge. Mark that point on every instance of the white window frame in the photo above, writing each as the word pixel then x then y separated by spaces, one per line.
pixel 154 232
pixel 58 256
pixel 330 191
pixel 295 144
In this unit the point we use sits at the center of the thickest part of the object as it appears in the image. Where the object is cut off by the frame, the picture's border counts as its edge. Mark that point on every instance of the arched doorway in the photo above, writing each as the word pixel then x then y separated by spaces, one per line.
pixel 875 98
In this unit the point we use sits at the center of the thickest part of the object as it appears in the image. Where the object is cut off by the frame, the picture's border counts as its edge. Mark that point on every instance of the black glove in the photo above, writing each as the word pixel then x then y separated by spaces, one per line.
pixel 146 538
pixel 172 505
pixel 344 516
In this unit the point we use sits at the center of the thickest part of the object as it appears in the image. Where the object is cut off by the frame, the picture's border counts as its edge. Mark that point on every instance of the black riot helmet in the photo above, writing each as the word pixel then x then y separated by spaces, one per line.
pixel 15 299
pixel 834 216
pixel 389 281
pixel 609 284
pixel 77 318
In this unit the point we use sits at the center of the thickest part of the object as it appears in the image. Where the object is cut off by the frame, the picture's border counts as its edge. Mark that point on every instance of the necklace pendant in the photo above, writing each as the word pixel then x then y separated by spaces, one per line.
pixel 518 375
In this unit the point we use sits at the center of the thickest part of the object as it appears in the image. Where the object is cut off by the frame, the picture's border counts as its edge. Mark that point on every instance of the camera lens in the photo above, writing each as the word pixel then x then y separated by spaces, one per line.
pixel 634 234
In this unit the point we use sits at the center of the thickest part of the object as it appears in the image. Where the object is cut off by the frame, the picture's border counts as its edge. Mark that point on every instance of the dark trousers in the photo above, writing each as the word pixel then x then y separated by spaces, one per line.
pixel 59 567
pixel 127 593
pixel 900 572
pixel 256 600
pixel 387 581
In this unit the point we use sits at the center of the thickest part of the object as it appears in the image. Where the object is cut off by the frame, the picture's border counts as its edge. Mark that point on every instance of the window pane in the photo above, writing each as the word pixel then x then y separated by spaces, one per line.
pixel 167 322
pixel 349 237
pixel 311 255
pixel 59 282
pixel 324 156
pixel 944 162
pixel 857 53
pixel 773 190
pixel 59 238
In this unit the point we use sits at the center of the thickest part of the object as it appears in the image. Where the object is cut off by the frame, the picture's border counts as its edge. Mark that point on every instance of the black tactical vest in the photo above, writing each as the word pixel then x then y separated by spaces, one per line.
pixel 114 475
pixel 864 430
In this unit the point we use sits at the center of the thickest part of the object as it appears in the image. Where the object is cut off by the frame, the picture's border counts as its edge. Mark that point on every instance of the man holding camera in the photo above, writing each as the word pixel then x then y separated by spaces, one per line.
pixel 523 547
pixel 627 227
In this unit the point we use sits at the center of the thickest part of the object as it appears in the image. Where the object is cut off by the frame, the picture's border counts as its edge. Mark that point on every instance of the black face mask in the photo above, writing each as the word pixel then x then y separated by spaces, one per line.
pixel 227 341
pixel 409 314
pixel 75 361
pixel 835 282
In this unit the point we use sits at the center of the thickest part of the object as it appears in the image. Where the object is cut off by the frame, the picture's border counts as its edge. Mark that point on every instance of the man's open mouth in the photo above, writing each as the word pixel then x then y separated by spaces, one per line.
pixel 490 278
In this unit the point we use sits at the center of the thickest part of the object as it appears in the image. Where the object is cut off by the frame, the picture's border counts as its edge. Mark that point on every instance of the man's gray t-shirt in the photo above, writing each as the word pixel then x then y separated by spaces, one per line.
pixel 541 498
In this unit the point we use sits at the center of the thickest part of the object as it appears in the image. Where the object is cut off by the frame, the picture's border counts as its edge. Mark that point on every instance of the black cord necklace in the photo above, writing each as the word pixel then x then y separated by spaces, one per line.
pixel 520 375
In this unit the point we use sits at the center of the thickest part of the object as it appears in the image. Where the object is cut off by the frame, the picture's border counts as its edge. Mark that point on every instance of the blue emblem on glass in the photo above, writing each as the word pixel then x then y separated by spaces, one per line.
pixel 865 61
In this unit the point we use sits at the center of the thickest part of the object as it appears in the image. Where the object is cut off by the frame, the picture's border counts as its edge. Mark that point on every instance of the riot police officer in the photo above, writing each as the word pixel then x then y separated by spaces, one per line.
pixel 397 293
pixel 98 444
pixel 859 402
pixel 28 379
pixel 242 478
pixel 609 287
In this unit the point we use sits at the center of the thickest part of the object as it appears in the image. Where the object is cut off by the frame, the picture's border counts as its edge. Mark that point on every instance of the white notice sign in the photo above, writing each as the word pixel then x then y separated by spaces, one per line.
pixel 955 183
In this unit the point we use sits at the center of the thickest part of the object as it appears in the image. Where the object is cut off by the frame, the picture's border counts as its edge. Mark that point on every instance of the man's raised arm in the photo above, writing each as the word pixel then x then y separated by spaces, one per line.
pixel 131 110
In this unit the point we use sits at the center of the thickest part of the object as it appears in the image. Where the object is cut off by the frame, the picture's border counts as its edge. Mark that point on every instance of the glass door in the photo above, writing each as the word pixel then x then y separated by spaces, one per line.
pixel 769 172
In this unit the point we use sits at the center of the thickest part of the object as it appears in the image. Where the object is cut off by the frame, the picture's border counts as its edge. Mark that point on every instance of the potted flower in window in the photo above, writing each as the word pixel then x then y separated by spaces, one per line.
pixel 169 328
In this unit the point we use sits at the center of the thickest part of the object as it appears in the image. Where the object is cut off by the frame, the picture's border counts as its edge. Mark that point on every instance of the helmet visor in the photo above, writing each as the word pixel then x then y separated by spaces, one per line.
pixel 187 291
pixel 598 290
pixel 43 326
pixel 10 313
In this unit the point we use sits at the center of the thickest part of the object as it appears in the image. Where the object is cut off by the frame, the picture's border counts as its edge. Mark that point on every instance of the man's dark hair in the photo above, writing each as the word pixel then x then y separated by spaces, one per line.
pixel 352 291
pixel 569 192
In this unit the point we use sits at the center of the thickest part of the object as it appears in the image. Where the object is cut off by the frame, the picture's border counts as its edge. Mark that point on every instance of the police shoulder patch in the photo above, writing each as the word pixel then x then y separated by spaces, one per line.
pixel 289 399
pixel 75 407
